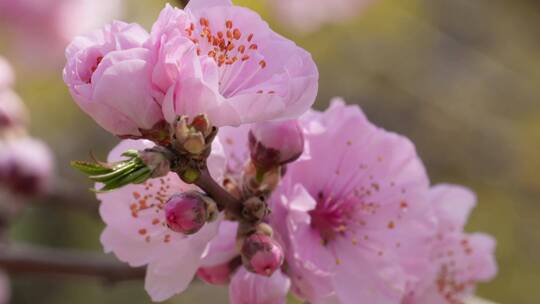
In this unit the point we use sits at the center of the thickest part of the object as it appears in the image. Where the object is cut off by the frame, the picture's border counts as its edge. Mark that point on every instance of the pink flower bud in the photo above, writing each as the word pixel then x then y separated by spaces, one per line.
pixel 215 275
pixel 186 212
pixel 275 143
pixel 261 254
pixel 26 166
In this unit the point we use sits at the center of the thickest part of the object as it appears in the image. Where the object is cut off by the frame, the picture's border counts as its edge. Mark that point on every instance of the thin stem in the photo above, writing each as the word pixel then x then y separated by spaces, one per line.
pixel 23 259
pixel 223 198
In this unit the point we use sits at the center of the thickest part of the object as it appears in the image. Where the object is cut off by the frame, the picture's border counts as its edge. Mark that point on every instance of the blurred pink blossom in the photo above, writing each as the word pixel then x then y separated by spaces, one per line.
pixel 225 61
pixel 13 112
pixel 42 28
pixel 7 76
pixel 26 166
pixel 354 217
pixel 4 288
pixel 459 260
pixel 137 233
pixel 310 15
pixel 108 75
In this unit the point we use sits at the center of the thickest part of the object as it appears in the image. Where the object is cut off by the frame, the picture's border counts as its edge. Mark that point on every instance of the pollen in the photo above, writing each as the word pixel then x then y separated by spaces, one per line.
pixel 224 43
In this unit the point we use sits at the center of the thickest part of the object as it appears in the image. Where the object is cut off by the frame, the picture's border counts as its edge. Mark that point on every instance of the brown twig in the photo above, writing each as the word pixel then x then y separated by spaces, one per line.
pixel 222 197
pixel 37 260
pixel 183 3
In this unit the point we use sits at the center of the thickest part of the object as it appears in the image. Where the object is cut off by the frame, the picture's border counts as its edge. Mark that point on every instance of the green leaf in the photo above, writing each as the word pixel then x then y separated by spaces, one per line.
pixel 126 169
pixel 131 153
pixel 90 168
pixel 137 176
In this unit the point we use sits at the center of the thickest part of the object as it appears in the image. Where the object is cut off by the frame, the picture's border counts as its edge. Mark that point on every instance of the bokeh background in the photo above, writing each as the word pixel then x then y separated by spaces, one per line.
pixel 461 78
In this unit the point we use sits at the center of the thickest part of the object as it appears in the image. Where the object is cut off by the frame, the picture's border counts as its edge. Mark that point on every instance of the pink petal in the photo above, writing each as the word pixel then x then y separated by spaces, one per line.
pixel 250 288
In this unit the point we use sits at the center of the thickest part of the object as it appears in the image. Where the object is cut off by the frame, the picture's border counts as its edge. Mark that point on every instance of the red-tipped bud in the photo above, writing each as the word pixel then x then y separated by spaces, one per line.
pixel 188 212
pixel 216 275
pixel 261 254
pixel 274 144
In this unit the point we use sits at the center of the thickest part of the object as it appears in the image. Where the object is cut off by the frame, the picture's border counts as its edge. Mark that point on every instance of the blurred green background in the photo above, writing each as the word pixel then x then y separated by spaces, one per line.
pixel 461 78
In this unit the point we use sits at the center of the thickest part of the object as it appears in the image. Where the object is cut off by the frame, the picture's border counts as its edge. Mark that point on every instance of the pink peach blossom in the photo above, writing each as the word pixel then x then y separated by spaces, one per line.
pixel 26 166
pixel 225 61
pixel 250 288
pixel 222 249
pixel 137 233
pixel 215 275
pixel 109 77
pixel 354 217
pixel 310 15
pixel 459 260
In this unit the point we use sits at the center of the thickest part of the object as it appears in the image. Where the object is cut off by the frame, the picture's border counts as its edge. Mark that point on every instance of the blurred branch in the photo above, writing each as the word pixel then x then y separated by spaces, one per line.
pixel 67 197
pixel 183 3
pixel 23 259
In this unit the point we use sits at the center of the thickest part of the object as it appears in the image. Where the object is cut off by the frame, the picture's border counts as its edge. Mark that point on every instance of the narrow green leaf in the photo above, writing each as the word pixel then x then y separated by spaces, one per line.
pixel 137 176
pixel 104 178
pixel 89 167
pixel 131 153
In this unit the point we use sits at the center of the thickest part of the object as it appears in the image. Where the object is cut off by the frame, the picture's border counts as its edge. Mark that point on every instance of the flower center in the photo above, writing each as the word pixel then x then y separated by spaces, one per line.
pixel 234 52
pixel 330 218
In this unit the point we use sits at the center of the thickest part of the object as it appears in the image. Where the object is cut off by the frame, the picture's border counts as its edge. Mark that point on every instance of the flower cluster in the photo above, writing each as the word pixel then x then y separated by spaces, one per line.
pixel 226 174
pixel 25 162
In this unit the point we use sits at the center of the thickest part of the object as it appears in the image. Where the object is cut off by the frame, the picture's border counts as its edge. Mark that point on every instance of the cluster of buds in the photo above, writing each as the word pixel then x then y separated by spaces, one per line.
pixel 191 140
pixel 272 145
pixel 26 163
pixel 187 212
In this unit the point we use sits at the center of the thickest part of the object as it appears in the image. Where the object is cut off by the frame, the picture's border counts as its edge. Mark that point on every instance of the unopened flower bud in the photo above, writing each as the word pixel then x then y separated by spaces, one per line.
pixel 188 212
pixel 156 161
pixel 195 143
pixel 274 144
pixel 255 209
pixel 265 229
pixel 215 275
pixel 192 137
pixel 202 124
pixel 261 254
pixel 26 166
